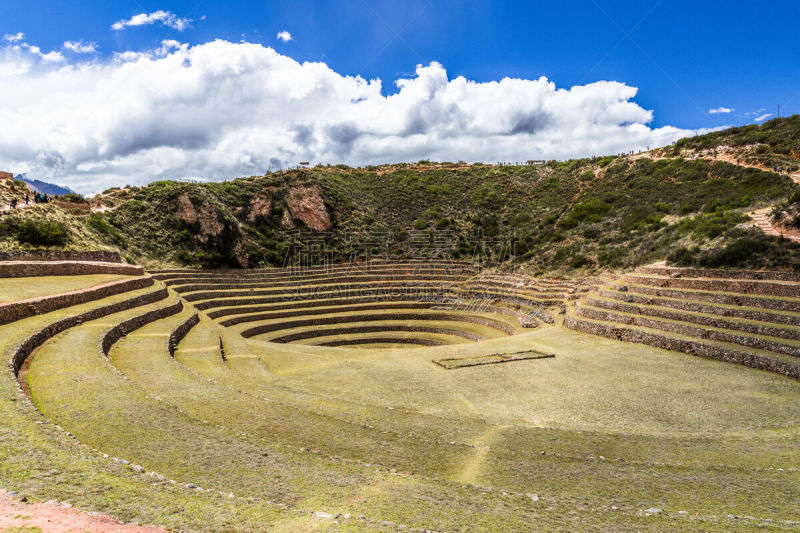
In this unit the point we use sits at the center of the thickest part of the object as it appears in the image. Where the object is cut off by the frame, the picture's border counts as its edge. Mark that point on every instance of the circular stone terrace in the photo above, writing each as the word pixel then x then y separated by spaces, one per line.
pixel 419 395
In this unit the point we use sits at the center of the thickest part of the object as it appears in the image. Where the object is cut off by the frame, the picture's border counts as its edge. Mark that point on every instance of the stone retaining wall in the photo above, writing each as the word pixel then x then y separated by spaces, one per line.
pixel 712 321
pixel 289 286
pixel 294 275
pixel 181 331
pixel 514 298
pixel 770 288
pixel 719 273
pixel 71 205
pixel 14 311
pixel 721 298
pixel 384 340
pixel 376 317
pixel 274 315
pixel 537 292
pixel 100 256
pixel 37 339
pixel 123 328
pixel 691 331
pixel 682 345
pixel 420 266
pixel 14 269
pixel 375 329
pixel 698 307
pixel 387 292
pixel 290 305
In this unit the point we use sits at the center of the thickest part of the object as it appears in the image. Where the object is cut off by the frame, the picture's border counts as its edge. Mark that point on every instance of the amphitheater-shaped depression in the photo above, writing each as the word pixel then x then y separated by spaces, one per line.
pixel 376 305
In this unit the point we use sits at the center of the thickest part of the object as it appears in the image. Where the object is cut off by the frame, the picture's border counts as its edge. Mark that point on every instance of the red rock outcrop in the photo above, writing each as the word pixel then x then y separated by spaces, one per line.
pixel 260 206
pixel 306 204
pixel 206 216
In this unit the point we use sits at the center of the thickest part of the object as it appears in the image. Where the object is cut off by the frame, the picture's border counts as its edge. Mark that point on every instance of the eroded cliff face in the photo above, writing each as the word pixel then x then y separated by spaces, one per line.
pixel 305 203
pixel 206 216
pixel 260 206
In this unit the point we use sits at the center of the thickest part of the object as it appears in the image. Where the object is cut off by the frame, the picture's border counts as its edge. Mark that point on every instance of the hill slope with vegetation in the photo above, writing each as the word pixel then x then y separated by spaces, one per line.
pixel 600 213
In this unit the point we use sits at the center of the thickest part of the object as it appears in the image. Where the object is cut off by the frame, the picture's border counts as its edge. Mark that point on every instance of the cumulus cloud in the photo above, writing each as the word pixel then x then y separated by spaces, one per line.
pixel 284 36
pixel 50 57
pixel 763 117
pixel 80 47
pixel 144 19
pixel 222 109
pixel 13 38
pixel 718 110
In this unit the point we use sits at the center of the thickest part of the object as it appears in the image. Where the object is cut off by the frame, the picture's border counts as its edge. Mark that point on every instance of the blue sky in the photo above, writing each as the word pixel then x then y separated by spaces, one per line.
pixel 686 59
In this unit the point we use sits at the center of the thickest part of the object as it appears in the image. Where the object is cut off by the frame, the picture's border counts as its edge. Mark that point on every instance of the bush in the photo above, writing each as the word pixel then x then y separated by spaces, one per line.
pixel 41 233
pixel 580 261
pixel 73 198
pixel 737 254
pixel 683 256
pixel 589 211
pixel 97 222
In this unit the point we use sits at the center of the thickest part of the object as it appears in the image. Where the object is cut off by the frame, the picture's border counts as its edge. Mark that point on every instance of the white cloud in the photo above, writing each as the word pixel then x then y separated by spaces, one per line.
pixel 284 36
pixel 49 57
pixel 223 109
pixel 80 47
pixel 718 110
pixel 762 117
pixel 13 38
pixel 143 19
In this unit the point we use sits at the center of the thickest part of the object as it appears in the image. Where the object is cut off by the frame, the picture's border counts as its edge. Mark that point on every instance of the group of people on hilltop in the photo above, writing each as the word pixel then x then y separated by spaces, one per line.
pixel 38 197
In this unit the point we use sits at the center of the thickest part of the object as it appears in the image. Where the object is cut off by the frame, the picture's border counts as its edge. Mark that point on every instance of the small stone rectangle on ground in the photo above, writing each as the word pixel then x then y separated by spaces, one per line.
pixel 490 359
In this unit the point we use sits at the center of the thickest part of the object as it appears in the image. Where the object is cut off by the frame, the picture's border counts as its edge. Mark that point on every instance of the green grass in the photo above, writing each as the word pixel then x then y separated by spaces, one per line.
pixel 16 289
pixel 620 425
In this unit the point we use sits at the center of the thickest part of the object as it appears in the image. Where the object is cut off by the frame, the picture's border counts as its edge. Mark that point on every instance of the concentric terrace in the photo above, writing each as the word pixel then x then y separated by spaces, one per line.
pixel 416 395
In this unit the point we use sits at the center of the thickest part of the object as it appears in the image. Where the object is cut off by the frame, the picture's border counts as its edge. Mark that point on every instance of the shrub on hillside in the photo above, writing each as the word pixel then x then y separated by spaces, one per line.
pixel 40 232
pixel 741 253
pixel 72 198
pixel 591 210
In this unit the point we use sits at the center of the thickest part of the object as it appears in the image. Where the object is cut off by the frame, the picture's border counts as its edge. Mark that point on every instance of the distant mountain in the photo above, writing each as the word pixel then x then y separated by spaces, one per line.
pixel 44 187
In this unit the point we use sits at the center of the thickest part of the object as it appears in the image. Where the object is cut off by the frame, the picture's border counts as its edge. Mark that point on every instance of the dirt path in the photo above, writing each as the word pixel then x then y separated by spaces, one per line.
pixel 21 205
pixel 54 517
pixel 720 157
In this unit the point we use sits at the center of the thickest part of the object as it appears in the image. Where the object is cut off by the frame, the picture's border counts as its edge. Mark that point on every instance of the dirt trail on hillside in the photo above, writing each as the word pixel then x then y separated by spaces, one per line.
pixel 54 517
pixel 720 157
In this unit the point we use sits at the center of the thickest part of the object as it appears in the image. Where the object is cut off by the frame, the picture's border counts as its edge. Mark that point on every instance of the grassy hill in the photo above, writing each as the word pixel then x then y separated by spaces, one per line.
pixel 602 213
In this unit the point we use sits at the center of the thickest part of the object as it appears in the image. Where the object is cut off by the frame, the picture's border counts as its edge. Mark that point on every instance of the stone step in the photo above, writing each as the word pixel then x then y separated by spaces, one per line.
pixel 661 269
pixel 711 320
pixel 25 269
pixel 761 360
pixel 305 311
pixel 399 292
pixel 748 313
pixel 287 286
pixel 718 297
pixel 13 311
pixel 423 315
pixel 763 287
pixel 761 342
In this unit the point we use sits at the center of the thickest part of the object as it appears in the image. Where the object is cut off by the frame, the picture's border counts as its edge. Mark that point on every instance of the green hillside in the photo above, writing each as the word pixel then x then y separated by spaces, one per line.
pixel 602 213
